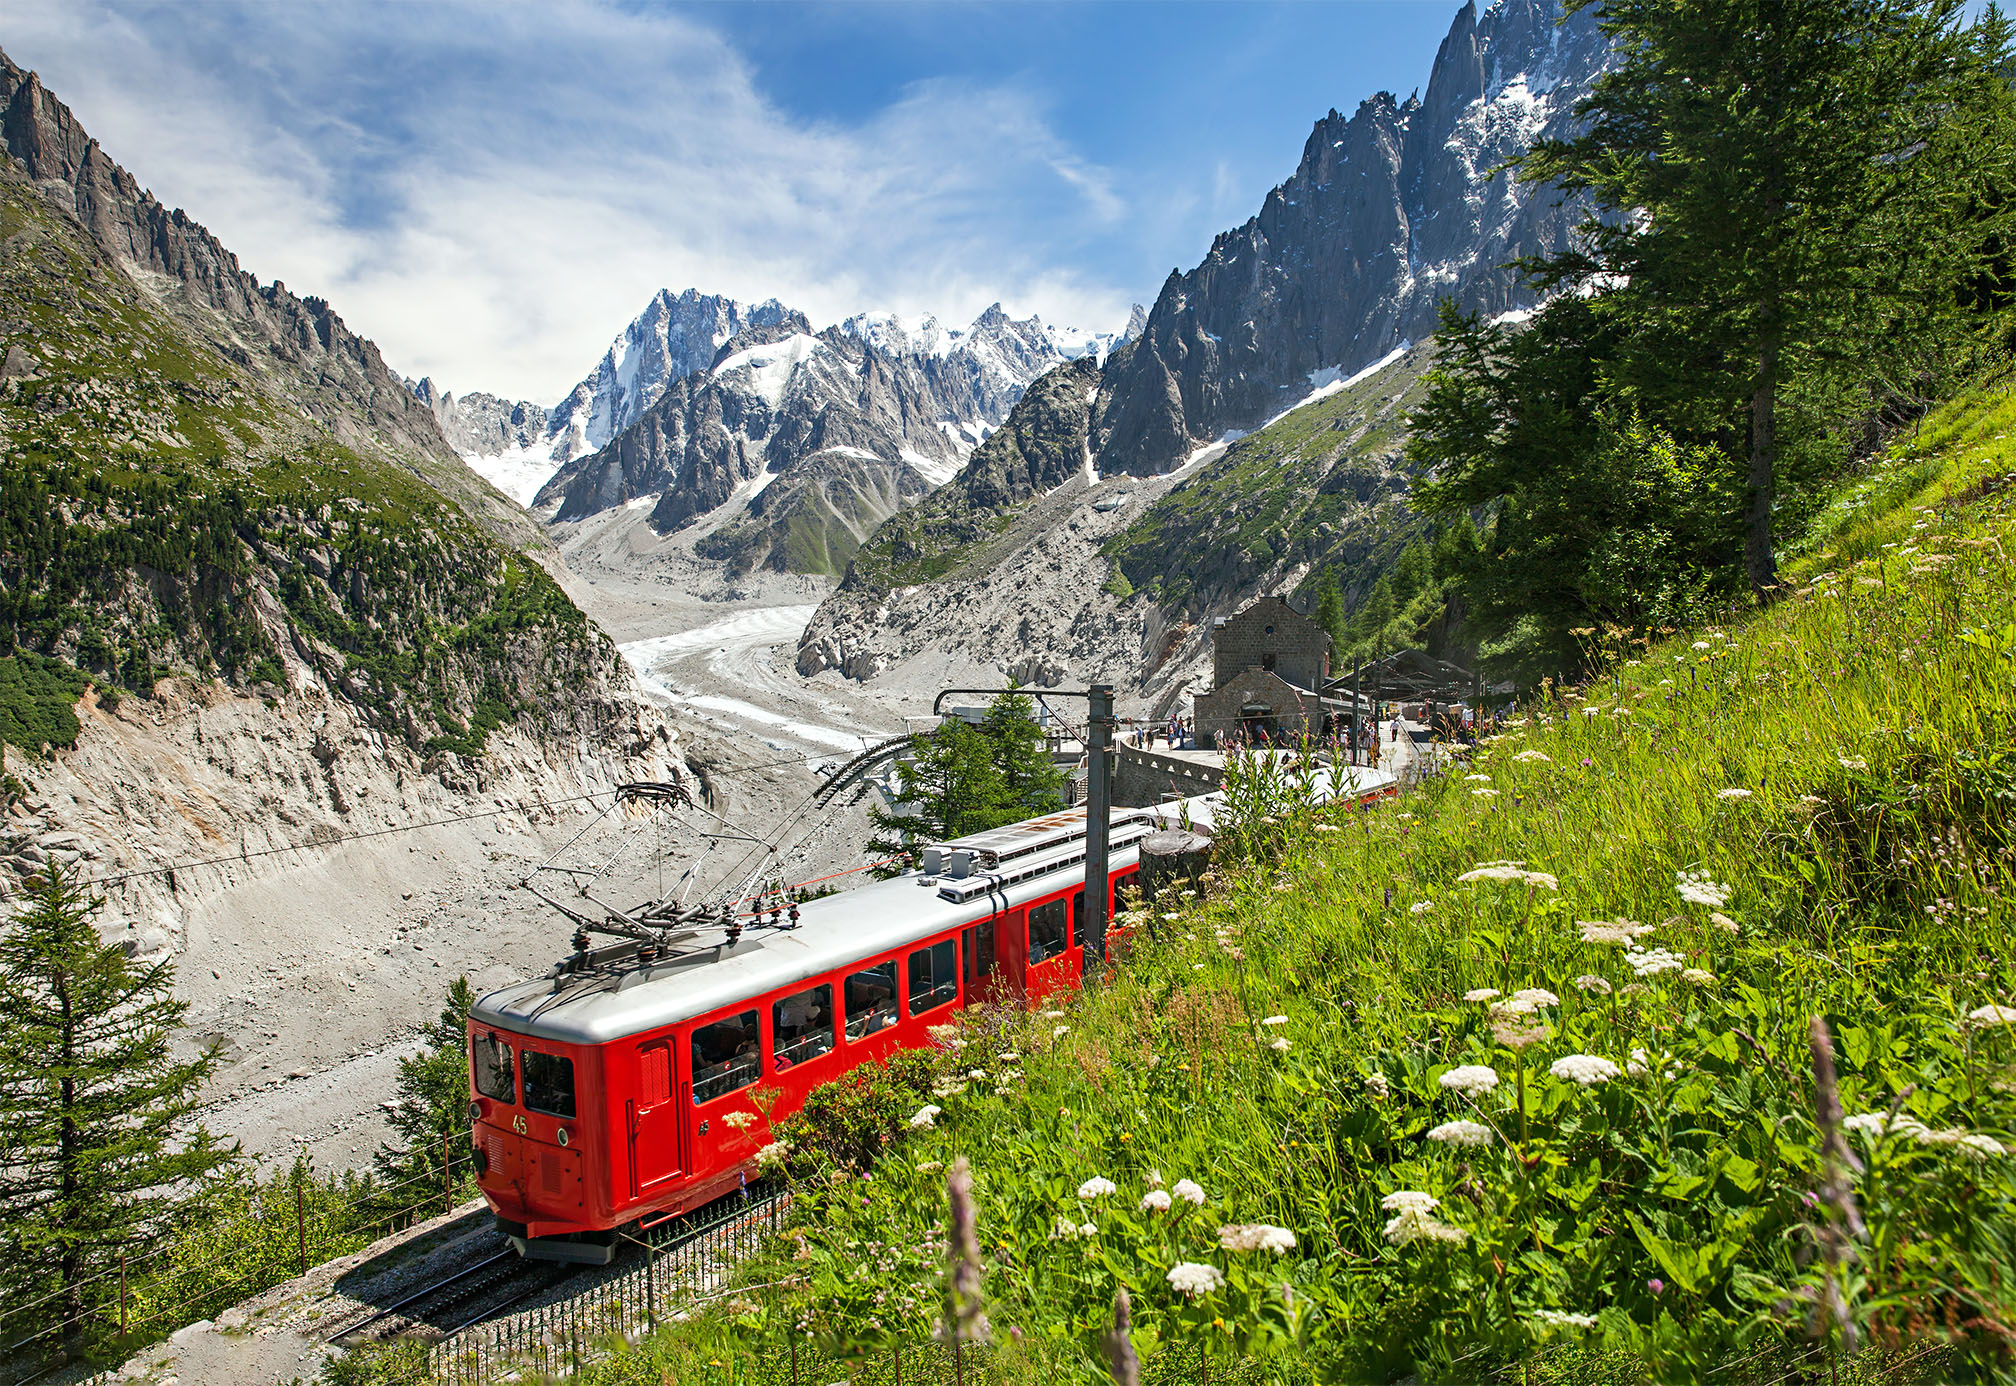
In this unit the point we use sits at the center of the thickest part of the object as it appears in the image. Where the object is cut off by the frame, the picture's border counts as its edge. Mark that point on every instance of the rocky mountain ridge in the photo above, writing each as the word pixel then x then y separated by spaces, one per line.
pixel 1388 211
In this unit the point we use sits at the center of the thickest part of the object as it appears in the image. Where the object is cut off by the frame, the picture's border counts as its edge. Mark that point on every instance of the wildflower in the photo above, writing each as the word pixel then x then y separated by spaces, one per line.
pixel 1155 1201
pixel 1059 1031
pixel 1624 931
pixel 1595 986
pixel 1098 1186
pixel 1010 1057
pixel 927 1115
pixel 1461 1133
pixel 1535 996
pixel 978 1075
pixel 1510 871
pixel 1196 1281
pixel 1256 1236
pixel 1700 645
pixel 1992 1015
pixel 1413 1220
pixel 741 1121
pixel 1656 1285
pixel 1852 762
pixel 1530 755
pixel 1481 994
pixel 1640 1065
pixel 1555 1318
pixel 1515 1033
pixel 1479 778
pixel 1421 907
pixel 1653 962
pixel 1275 1020
pixel 1281 1045
pixel 1724 923
pixel 1697 889
pixel 1733 792
pixel 947 1087
pixel 1483 793
pixel 1053 1015
pixel 941 1033
pixel 1172 915
pixel 1376 1085
pixel 930 1166
pixel 1066 1230
pixel 773 1154
pixel 1699 976
pixel 1189 1191
pixel 1583 1070
pixel 1153 1179
pixel 1980 1146
pixel 1470 1079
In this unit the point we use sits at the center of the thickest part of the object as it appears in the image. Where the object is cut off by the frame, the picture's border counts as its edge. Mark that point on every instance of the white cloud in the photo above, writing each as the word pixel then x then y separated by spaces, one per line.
pixel 492 192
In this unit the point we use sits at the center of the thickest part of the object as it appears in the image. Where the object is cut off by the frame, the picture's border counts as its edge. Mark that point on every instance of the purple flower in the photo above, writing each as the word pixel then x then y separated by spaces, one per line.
pixel 1656 1286
pixel 1587 761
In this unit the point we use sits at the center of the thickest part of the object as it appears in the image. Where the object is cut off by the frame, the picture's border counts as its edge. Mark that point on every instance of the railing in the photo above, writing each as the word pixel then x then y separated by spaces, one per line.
pixel 684 1260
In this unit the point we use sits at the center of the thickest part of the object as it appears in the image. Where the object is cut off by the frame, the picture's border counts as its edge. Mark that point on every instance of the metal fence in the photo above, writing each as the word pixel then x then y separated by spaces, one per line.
pixel 683 1261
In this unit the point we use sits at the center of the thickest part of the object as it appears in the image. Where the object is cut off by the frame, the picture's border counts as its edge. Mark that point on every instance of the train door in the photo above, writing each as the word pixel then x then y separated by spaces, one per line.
pixel 981 967
pixel 1011 956
pixel 654 1119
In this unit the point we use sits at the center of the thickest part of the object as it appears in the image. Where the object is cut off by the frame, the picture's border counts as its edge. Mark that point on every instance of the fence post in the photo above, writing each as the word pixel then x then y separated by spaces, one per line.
pixel 301 1224
pixel 447 1176
pixel 122 1294
pixel 651 1288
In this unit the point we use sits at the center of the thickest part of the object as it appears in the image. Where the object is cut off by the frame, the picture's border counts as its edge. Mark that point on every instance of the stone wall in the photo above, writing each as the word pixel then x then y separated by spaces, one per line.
pixel 1219 712
pixel 1142 779
pixel 1270 635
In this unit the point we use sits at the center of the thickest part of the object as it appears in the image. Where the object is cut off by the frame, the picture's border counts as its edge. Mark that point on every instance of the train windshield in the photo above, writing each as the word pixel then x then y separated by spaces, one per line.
pixel 491 1058
pixel 549 1084
pixel 934 976
pixel 1046 930
pixel 801 1026
pixel 725 1057
pixel 871 999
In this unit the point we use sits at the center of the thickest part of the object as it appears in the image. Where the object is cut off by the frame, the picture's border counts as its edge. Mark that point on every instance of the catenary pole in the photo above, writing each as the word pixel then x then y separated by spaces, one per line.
pixel 1098 813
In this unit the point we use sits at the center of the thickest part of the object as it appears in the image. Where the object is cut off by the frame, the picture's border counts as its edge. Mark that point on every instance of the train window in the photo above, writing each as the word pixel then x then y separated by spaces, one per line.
pixel 495 1079
pixel 871 999
pixel 801 1027
pixel 549 1084
pixel 934 976
pixel 1078 920
pixel 1046 930
pixel 725 1056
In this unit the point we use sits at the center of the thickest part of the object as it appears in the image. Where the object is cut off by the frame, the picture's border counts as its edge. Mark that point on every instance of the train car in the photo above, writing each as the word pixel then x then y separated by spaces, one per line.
pixel 633 1083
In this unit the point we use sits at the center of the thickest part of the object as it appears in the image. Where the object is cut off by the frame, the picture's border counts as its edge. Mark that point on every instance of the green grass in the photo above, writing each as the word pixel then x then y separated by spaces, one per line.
pixel 1865 725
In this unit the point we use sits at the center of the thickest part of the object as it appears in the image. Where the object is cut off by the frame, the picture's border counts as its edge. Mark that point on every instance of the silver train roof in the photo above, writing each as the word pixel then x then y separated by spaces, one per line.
pixel 630 997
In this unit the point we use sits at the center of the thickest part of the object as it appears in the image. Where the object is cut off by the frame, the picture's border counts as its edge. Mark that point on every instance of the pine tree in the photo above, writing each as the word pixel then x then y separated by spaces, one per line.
pixel 1783 190
pixel 431 1116
pixel 955 788
pixel 1329 612
pixel 1031 783
pixel 98 1155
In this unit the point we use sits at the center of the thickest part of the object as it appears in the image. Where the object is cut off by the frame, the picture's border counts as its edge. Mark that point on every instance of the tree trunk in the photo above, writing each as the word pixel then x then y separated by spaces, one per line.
pixel 1760 558
pixel 1172 858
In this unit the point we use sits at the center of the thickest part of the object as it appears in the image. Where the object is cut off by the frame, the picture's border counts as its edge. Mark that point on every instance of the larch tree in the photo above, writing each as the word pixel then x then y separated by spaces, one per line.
pixel 99 1155
pixel 1031 783
pixel 951 787
pixel 430 1151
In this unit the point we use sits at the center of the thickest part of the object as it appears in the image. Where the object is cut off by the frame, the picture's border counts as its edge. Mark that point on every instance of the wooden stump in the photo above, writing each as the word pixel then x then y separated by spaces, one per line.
pixel 1172 857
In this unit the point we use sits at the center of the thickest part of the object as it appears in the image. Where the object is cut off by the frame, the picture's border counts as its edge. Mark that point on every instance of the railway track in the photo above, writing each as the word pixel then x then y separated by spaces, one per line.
pixel 453 1302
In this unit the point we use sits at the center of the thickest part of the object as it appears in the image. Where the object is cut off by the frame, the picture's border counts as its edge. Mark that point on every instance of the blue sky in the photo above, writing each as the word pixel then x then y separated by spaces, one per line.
pixel 491 192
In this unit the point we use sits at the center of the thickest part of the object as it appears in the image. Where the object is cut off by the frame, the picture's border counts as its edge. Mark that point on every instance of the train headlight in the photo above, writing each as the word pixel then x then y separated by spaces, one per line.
pixel 475 1110
pixel 563 1137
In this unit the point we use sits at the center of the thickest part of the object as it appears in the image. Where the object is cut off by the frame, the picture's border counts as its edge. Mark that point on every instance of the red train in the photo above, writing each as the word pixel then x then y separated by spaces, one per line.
pixel 621 1088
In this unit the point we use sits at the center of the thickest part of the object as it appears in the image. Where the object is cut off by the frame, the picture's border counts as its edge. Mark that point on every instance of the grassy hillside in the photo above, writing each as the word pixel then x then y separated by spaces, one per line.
pixel 1324 486
pixel 162 512
pixel 1807 817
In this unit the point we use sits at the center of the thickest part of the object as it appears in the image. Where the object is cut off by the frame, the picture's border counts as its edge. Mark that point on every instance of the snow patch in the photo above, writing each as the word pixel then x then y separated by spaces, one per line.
pixel 640 503
pixel 518 472
pixel 930 468
pixel 771 366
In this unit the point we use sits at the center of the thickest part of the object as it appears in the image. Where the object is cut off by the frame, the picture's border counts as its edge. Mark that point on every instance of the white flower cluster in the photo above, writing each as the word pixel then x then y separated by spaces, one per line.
pixel 1534 756
pixel 1414 1219
pixel 773 1155
pixel 1510 871
pixel 1470 1079
pixel 1461 1133
pixel 1624 931
pixel 1594 985
pixel 1256 1236
pixel 1275 1020
pixel 741 1121
pixel 1583 1070
pixel 1696 889
pixel 1478 779
pixel 1525 1001
pixel 1733 792
pixel 1194 1280
pixel 1066 1230
pixel 1852 762
pixel 1699 976
pixel 1652 962
pixel 1098 1186
pixel 927 1115
pixel 1156 1201
pixel 1281 1045
pixel 1879 1124
pixel 1377 1085
pixel 1724 923
pixel 1640 1064
pixel 1421 907
pixel 1559 1318
pixel 1482 994
pixel 1188 1191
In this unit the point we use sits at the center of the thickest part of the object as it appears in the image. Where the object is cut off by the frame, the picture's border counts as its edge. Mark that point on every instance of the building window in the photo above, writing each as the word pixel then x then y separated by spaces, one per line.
pixel 801 1027
pixel 934 976
pixel 1267 662
pixel 549 1084
pixel 871 1000
pixel 725 1056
